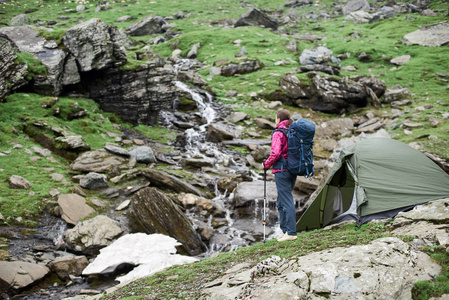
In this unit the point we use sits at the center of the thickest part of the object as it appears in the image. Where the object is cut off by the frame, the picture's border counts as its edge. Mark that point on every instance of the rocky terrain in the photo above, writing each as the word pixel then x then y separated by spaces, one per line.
pixel 131 137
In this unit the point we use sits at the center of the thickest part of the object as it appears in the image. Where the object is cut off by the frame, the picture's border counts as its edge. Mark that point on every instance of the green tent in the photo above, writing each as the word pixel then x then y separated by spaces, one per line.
pixel 373 179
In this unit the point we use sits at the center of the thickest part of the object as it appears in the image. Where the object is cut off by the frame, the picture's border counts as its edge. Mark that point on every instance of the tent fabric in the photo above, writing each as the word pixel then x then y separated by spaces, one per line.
pixel 385 175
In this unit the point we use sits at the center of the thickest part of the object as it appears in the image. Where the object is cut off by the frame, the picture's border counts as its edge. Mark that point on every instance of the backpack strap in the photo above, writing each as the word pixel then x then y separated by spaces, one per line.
pixel 281 163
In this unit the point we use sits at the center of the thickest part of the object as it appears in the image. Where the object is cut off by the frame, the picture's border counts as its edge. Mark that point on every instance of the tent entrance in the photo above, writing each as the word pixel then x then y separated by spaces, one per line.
pixel 340 202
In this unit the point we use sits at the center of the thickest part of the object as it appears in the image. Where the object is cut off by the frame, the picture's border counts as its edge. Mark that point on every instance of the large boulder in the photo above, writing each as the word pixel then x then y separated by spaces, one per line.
pixel 165 181
pixel 20 20
pixel 153 212
pixel 292 86
pixel 19 274
pixel 27 40
pixel 355 5
pixel 91 44
pixel 335 128
pixel 101 161
pixel 136 95
pixel 431 35
pixel 360 17
pixel 13 76
pixel 89 236
pixel 255 17
pixel 148 25
pixel 149 253
pixel 73 207
pixel 387 268
pixel 67 265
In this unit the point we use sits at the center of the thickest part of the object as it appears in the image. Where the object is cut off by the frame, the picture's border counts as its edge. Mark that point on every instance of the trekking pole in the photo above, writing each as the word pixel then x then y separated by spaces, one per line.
pixel 264 223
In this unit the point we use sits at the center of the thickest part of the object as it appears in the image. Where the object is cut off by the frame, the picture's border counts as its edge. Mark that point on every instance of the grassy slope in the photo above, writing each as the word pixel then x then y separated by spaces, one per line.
pixel 381 40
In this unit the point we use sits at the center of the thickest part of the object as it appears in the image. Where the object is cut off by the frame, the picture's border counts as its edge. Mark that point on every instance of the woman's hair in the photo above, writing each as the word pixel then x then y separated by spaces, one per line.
pixel 283 115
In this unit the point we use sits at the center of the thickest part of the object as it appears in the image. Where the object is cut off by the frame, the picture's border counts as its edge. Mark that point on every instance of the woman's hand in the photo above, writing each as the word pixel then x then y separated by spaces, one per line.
pixel 263 166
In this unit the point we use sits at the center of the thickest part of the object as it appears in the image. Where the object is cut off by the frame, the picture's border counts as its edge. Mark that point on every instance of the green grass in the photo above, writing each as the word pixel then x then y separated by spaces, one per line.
pixel 187 280
pixel 35 66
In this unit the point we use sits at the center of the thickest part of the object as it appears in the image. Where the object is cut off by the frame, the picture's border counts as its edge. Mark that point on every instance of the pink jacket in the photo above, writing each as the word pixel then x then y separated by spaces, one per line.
pixel 279 146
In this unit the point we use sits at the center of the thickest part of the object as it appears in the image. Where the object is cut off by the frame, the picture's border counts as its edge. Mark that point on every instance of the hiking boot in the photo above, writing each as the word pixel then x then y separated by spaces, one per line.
pixel 287 237
pixel 281 236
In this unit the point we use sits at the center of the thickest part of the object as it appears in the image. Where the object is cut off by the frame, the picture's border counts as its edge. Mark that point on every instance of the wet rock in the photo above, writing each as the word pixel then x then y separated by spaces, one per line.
pixel 229 183
pixel 13 75
pixel 149 253
pixel 148 25
pixel 94 181
pixel 197 162
pixel 18 182
pixel 400 60
pixel 261 153
pixel 91 44
pixel 73 207
pixel 264 123
pixel 19 20
pixel 165 181
pixel 252 225
pixel 101 161
pixel 255 17
pixel 89 236
pixel 217 133
pixel 191 77
pixel 430 35
pixel 204 230
pixel 355 5
pixel 64 266
pixel 124 205
pixel 19 274
pixel 317 55
pixel 201 203
pixel 153 212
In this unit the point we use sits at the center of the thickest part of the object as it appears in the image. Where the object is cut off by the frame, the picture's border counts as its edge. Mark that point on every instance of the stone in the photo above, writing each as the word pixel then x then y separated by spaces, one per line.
pixel 58 177
pixel 93 46
pixel 25 39
pixel 193 53
pixel 255 17
pixel 191 77
pixel 261 153
pixel 117 150
pixel 72 142
pixel 64 266
pixel 80 8
pixel 165 181
pixel 264 123
pixel 149 253
pixel 123 205
pixel 397 93
pixel 18 182
pixel 71 74
pixel 428 12
pixel 306 185
pixel 148 25
pixel 359 17
pixel 433 211
pixel 236 117
pixel 218 133
pixel 275 105
pixel 124 19
pixel 89 236
pixel 13 75
pixel 101 161
pixel 317 55
pixel 19 274
pixel 399 61
pixel 20 20
pixel 206 232
pixel 215 71
pixel 153 212
pixel 143 154
pixel 197 162
pixel 41 151
pixel 244 67
pixel 433 35
pixel 355 5
pixel 94 181
pixel 73 207
pixel 336 127
pixel 331 70
pixel 400 103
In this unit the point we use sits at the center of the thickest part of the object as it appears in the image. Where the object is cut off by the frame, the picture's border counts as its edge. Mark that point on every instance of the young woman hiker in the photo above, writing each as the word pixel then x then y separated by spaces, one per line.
pixel 285 181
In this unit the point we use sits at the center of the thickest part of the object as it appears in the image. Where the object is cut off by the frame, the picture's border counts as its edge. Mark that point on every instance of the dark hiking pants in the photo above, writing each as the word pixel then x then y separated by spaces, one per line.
pixel 285 182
